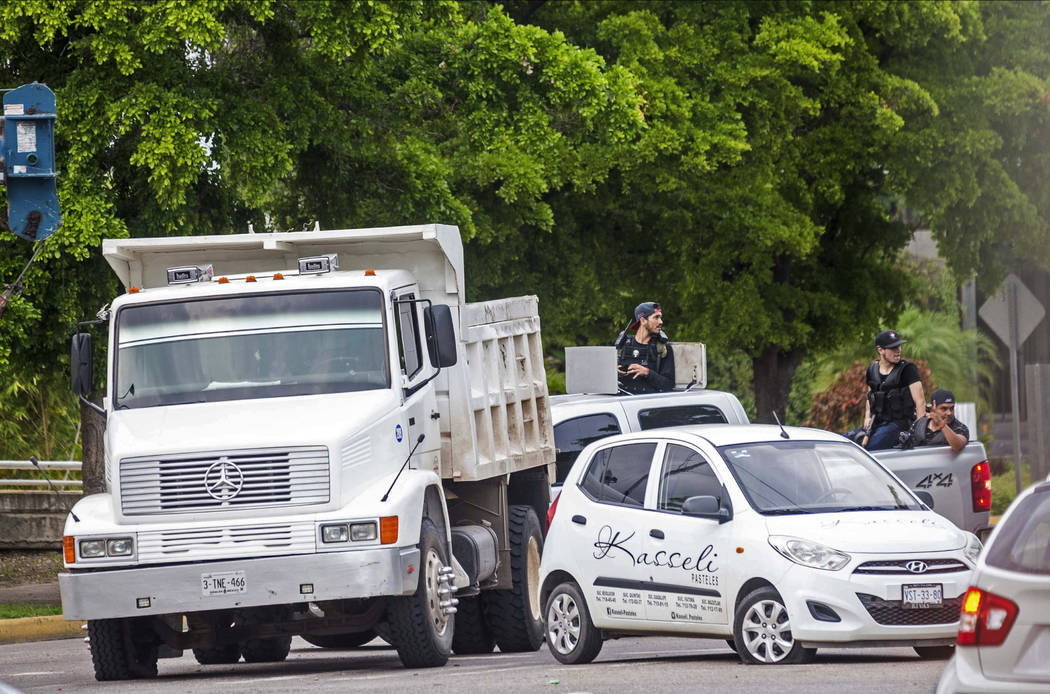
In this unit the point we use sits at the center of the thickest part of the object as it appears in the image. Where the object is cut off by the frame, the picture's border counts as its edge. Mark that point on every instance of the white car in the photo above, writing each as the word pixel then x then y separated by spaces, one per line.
pixel 780 540
pixel 1004 633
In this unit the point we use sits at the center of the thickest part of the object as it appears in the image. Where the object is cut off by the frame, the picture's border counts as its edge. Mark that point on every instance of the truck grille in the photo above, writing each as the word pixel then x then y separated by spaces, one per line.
pixel 226 480
pixel 899 567
pixel 200 544
pixel 892 611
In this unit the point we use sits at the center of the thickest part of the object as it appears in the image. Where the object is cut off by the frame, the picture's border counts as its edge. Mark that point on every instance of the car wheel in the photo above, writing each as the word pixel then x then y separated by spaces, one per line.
pixel 762 631
pixel 271 650
pixel 571 635
pixel 935 652
pixel 121 649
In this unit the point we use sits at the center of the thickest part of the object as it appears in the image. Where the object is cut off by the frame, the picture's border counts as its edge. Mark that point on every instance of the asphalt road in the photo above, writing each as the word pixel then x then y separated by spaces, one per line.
pixel 644 665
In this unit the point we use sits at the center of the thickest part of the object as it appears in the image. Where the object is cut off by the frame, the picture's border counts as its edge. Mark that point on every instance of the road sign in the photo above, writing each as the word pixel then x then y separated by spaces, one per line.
pixel 996 311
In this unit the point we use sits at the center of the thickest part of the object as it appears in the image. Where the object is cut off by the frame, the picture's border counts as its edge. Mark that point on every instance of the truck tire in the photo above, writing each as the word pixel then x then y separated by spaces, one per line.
pixel 421 631
pixel 472 635
pixel 350 640
pixel 514 616
pixel 220 655
pixel 762 631
pixel 118 653
pixel 271 650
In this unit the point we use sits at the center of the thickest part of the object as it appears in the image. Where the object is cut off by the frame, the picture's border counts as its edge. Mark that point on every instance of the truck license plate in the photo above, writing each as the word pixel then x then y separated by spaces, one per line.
pixel 918 596
pixel 224 583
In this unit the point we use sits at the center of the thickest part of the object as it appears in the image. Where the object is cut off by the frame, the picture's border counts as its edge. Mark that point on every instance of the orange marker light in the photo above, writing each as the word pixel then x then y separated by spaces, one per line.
pixel 370 273
pixel 133 290
pixel 739 550
pixel 278 276
pixel 224 280
pixel 388 530
pixel 249 278
pixel 68 549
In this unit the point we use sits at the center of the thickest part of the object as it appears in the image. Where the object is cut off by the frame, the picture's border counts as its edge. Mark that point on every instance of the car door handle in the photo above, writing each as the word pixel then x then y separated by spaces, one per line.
pixel 579 519
pixel 658 534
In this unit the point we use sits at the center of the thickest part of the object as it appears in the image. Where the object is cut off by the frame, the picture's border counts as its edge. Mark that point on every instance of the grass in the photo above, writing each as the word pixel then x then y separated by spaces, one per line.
pixel 1004 487
pixel 14 610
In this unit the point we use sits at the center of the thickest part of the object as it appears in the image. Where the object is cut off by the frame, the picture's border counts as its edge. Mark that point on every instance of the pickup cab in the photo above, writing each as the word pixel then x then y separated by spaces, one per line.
pixel 955 485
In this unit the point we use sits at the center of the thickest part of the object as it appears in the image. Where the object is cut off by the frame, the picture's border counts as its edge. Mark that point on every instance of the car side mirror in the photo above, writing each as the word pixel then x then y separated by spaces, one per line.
pixel 926 498
pixel 440 334
pixel 706 507
pixel 80 359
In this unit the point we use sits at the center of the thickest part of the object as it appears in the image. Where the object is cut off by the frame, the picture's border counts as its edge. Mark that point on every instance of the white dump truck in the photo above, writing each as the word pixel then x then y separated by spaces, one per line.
pixel 310 433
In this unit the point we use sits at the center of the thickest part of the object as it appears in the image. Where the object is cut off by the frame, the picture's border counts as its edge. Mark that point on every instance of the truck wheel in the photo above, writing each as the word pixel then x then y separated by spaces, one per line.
pixel 118 652
pixel 420 628
pixel 350 640
pixel 514 616
pixel 272 650
pixel 471 635
pixel 220 655
pixel 571 635
pixel 762 631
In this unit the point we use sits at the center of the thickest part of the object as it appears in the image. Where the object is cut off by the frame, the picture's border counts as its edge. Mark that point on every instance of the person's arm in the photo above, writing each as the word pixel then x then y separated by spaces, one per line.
pixel 956 440
pixel 919 397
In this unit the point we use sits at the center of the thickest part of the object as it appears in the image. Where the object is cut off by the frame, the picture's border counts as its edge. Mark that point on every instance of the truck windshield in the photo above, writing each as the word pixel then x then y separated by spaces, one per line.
pixel 785 477
pixel 256 346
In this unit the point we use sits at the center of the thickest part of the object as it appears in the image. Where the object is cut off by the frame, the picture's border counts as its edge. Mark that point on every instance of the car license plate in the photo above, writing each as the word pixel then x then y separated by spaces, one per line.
pixel 918 596
pixel 223 583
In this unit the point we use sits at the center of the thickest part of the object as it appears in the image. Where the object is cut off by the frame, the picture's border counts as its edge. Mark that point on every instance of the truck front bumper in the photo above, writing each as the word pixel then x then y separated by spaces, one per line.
pixel 178 588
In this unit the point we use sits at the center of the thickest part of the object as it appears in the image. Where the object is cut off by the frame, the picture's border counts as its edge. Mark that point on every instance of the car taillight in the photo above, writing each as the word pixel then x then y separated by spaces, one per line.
pixel 981 486
pixel 986 618
pixel 551 511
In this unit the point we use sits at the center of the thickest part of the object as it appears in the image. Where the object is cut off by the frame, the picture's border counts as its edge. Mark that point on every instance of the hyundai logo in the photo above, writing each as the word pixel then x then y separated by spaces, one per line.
pixel 916 567
pixel 223 480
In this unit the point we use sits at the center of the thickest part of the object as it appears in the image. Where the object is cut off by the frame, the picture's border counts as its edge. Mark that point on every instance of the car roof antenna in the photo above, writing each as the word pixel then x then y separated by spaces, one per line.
pixel 783 433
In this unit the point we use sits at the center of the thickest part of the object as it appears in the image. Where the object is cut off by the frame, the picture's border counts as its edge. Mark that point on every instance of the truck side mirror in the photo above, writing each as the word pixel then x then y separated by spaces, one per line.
pixel 441 335
pixel 706 507
pixel 80 359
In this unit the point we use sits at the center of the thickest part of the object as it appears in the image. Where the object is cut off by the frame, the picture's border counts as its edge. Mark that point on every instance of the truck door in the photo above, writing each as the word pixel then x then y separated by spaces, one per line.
pixel 420 403
pixel 685 558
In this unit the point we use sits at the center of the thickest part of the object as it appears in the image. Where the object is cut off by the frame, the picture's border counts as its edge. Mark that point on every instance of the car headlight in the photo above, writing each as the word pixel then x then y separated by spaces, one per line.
pixel 102 547
pixel 92 549
pixel 807 553
pixel 973 548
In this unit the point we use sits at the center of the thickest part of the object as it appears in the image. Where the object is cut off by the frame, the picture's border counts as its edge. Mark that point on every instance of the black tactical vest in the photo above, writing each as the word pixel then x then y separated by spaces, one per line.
pixel 889 399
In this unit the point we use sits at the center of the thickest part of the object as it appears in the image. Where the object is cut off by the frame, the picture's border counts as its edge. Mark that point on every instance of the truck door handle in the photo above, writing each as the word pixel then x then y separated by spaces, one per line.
pixel 579 519
pixel 658 534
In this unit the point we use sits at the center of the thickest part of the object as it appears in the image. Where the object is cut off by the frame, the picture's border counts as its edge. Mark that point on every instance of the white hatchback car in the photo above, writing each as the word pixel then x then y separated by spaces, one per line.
pixel 1004 634
pixel 780 540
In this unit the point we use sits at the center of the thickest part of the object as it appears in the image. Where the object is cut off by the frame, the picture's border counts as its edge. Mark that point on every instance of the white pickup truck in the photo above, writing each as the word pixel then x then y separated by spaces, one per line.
pixel 955 485
pixel 310 433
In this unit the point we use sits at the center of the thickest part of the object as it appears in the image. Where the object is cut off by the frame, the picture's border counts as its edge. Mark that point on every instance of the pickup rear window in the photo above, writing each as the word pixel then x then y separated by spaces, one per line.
pixel 680 415
pixel 572 435
pixel 1023 543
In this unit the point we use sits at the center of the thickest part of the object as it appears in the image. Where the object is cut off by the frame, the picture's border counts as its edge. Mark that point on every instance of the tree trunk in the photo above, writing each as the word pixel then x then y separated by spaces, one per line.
pixel 93 465
pixel 773 371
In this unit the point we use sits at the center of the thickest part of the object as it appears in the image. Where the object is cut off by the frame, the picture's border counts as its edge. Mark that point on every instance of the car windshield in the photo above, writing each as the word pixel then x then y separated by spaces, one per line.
pixel 789 477
pixel 257 346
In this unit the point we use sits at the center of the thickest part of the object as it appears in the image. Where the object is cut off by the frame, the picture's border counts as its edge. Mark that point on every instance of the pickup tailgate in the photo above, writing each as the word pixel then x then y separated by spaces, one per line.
pixel 946 476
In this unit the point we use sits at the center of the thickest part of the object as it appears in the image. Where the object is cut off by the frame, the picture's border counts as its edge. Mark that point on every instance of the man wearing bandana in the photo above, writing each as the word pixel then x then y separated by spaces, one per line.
pixel 645 358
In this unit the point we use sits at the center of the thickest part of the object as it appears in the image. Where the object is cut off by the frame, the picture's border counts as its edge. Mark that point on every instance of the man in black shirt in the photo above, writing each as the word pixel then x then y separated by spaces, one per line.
pixel 646 359
pixel 894 393
pixel 940 427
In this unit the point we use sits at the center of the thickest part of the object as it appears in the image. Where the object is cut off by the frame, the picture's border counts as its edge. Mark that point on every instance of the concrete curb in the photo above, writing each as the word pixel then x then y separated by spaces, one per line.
pixel 38 629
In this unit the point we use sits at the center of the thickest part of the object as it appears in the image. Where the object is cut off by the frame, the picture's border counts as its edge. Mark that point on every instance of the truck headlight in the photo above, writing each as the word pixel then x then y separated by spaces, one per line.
pixel 92 549
pixel 973 548
pixel 120 547
pixel 359 532
pixel 334 533
pixel 807 553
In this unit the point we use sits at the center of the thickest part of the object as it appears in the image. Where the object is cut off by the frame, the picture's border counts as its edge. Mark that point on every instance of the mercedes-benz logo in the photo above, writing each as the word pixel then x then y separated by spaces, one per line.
pixel 223 480
pixel 916 567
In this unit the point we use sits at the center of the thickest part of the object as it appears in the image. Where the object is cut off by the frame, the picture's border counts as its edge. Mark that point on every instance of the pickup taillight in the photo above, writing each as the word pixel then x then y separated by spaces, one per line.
pixel 981 486
pixel 986 618
pixel 551 511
